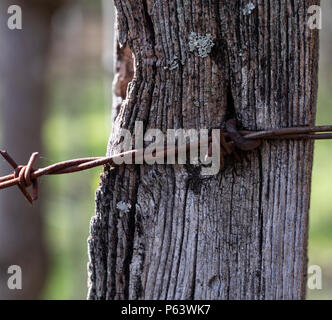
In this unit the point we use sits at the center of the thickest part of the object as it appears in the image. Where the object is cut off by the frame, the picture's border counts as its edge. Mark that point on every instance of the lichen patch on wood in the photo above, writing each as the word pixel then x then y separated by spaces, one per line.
pixel 203 44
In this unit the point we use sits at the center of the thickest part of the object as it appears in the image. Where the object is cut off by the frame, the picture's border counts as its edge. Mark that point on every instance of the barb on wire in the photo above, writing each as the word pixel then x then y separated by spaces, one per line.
pixel 25 176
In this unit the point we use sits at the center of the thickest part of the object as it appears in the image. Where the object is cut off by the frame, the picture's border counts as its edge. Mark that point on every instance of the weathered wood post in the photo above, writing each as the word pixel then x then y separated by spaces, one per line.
pixel 241 234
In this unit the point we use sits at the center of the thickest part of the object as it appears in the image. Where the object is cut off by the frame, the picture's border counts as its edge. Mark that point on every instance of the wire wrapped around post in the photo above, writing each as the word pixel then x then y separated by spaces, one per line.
pixel 25 176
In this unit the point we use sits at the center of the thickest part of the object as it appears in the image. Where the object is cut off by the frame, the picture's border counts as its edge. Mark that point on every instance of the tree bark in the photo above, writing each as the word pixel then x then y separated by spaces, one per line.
pixel 241 234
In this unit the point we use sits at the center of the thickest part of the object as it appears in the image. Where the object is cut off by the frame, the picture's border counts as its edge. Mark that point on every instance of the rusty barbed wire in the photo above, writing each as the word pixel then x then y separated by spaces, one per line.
pixel 25 176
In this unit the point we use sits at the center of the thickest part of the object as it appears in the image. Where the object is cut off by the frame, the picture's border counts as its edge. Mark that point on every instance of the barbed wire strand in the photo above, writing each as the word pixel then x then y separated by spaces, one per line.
pixel 25 176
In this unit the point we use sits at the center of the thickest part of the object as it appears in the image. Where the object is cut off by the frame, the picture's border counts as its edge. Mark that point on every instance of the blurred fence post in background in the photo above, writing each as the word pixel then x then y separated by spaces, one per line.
pixel 23 65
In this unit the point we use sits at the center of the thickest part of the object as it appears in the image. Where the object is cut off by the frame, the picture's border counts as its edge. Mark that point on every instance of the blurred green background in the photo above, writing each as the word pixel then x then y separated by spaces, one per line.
pixel 320 235
pixel 78 110
pixel 78 125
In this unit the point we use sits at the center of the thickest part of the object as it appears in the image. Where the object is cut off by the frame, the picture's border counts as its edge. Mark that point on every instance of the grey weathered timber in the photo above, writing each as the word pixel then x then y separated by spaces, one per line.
pixel 241 234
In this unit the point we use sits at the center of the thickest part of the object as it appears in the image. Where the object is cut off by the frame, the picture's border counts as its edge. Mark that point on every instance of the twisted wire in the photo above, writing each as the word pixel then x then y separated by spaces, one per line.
pixel 231 140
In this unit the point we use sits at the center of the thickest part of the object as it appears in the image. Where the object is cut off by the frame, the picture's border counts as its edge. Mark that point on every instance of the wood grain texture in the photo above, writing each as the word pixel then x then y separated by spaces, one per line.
pixel 241 234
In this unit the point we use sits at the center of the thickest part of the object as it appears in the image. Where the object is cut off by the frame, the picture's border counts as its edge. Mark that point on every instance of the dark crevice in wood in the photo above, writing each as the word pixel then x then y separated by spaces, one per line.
pixel 149 23
pixel 173 254
pixel 260 275
pixel 124 75
pixel 194 279
pixel 182 237
pixel 230 111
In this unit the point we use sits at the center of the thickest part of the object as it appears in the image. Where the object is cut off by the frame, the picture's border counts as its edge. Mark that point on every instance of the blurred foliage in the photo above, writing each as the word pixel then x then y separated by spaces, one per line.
pixel 320 235
pixel 77 125
pixel 75 128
